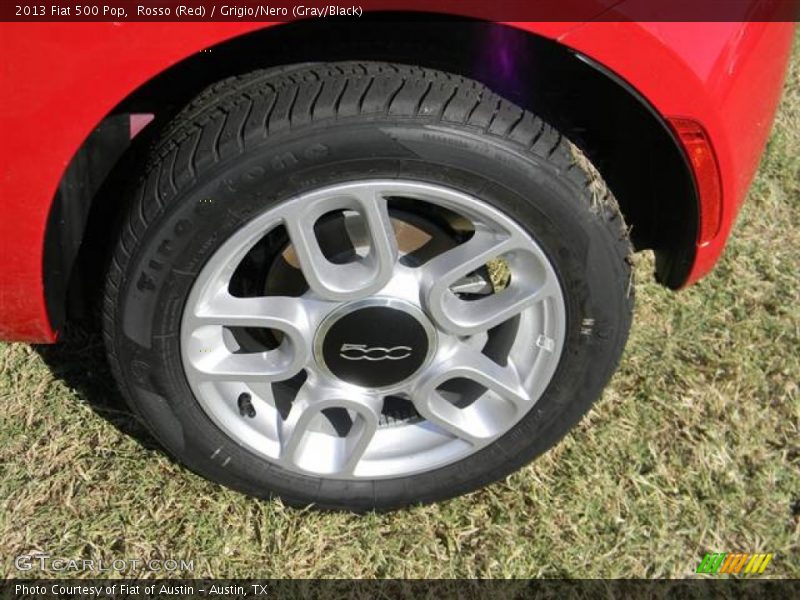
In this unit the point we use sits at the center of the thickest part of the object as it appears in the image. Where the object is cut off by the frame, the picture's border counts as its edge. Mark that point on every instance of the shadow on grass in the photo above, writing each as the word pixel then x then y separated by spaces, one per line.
pixel 79 360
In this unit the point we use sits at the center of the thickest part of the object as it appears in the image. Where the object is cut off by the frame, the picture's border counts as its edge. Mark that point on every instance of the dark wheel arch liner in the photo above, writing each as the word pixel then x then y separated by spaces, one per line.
pixel 78 231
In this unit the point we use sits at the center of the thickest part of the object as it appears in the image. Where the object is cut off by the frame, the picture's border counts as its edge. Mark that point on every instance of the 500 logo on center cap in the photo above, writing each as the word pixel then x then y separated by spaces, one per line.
pixel 362 352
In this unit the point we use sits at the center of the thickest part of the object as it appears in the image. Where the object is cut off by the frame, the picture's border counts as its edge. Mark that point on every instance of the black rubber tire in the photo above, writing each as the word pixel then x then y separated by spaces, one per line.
pixel 252 141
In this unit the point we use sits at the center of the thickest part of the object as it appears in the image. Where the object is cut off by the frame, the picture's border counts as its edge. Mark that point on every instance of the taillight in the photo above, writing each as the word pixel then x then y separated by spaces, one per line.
pixel 706 175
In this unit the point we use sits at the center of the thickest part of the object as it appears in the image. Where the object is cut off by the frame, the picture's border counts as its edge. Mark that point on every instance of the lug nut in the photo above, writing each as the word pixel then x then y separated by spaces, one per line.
pixel 246 408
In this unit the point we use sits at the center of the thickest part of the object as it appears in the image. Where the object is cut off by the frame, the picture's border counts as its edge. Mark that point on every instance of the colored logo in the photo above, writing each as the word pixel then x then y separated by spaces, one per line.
pixel 734 563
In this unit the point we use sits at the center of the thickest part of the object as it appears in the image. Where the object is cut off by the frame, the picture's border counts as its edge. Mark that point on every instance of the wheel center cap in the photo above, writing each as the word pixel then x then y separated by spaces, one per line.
pixel 375 343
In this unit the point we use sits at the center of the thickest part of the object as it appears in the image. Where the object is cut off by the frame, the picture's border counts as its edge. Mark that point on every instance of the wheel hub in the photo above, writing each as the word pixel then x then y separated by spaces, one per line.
pixel 375 343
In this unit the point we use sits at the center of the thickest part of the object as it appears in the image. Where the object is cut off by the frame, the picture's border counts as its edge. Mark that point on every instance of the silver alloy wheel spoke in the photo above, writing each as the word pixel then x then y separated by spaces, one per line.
pixel 298 413
pixel 532 284
pixel 212 359
pixel 355 279
pixel 487 417
pixel 306 448
pixel 276 312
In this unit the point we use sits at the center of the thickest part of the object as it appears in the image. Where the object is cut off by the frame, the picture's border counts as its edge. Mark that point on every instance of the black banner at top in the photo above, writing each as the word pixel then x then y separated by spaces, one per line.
pixel 491 10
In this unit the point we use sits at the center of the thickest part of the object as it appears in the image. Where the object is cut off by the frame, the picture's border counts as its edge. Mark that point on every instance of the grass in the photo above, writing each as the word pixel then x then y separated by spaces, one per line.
pixel 694 447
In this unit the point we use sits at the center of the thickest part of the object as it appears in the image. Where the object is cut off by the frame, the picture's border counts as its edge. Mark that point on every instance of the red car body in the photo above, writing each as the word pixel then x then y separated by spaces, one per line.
pixel 716 85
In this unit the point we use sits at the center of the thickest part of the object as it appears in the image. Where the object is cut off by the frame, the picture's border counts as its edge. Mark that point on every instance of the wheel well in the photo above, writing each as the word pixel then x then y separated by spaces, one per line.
pixel 623 136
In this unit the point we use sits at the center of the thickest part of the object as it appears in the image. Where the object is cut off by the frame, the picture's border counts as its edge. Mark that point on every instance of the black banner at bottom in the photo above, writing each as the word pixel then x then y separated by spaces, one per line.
pixel 323 589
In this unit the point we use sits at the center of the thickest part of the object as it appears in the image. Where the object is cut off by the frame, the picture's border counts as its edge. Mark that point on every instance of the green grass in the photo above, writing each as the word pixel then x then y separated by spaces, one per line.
pixel 694 447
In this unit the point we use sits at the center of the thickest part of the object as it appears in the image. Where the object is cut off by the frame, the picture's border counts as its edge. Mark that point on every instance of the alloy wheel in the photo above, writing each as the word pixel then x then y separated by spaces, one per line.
pixel 400 326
